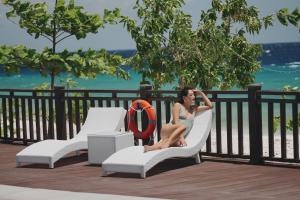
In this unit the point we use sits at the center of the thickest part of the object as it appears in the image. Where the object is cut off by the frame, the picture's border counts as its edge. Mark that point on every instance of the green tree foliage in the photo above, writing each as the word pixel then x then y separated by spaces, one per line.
pixel 285 17
pixel 159 22
pixel 65 20
pixel 216 54
pixel 289 122
pixel 225 57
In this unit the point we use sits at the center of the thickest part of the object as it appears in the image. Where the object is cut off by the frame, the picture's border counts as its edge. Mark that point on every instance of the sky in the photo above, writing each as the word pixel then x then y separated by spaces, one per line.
pixel 115 37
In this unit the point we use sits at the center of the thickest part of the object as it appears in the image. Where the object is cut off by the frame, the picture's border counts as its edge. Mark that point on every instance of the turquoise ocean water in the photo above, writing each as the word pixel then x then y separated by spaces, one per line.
pixel 280 67
pixel 272 76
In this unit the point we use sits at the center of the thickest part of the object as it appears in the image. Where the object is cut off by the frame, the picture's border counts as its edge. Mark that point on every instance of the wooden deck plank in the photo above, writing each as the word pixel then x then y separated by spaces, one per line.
pixel 171 179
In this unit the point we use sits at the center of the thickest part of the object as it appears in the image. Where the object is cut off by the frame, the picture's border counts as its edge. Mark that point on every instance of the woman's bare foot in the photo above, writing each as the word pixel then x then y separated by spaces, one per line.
pixel 165 145
pixel 150 148
pixel 147 148
pixel 177 144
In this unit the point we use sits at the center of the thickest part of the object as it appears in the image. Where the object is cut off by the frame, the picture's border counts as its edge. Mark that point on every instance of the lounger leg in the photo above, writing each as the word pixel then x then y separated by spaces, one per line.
pixel 77 153
pixel 51 165
pixel 143 175
pixel 104 173
pixel 197 158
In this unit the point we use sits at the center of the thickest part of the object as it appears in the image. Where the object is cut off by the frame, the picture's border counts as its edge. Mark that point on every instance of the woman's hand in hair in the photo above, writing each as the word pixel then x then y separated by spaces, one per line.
pixel 197 92
pixel 206 100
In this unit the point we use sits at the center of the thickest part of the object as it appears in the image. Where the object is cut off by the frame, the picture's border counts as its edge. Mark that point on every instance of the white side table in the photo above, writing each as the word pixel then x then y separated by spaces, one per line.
pixel 102 145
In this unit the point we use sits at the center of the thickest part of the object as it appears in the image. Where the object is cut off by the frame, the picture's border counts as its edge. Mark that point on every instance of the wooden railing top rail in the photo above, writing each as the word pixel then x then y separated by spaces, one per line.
pixel 118 91
pixel 99 91
pixel 22 90
pixel 153 91
pixel 273 92
pixel 39 93
pixel 264 92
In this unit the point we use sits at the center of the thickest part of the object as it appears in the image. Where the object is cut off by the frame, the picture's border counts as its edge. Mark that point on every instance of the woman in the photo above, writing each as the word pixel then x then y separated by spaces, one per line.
pixel 183 112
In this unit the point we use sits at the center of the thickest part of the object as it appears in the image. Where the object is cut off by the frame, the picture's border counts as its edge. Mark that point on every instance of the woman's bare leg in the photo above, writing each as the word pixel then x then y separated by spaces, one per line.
pixel 165 132
pixel 175 136
pixel 170 134
pixel 154 146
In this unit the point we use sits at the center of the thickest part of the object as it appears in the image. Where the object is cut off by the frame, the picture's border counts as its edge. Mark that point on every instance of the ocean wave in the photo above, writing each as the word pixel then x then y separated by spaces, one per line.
pixel 267 51
pixel 293 66
pixel 287 66
pixel 294 63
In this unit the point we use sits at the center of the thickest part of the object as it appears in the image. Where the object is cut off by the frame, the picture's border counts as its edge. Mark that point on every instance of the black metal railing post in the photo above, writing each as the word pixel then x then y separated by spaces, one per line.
pixel 60 113
pixel 255 123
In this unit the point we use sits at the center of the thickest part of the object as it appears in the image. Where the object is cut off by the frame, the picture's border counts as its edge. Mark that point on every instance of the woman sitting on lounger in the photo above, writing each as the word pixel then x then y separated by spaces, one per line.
pixel 183 112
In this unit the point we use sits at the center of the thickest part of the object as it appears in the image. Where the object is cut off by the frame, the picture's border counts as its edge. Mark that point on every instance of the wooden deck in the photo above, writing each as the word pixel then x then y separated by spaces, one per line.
pixel 171 179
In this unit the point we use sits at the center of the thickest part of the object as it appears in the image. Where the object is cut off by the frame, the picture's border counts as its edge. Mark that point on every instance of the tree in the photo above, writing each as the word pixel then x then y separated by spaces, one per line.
pixel 215 54
pixel 162 23
pixel 64 21
pixel 168 48
pixel 223 57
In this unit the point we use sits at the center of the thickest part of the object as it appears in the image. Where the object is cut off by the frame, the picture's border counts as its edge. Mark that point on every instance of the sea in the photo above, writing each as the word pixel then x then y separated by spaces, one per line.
pixel 280 67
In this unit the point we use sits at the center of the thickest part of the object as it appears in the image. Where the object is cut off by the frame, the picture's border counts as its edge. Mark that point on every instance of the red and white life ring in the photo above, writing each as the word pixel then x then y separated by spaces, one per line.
pixel 142 105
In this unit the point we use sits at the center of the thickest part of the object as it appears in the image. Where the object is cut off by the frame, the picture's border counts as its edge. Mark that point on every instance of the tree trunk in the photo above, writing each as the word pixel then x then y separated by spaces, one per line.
pixel 52 80
pixel 227 28
pixel 53 46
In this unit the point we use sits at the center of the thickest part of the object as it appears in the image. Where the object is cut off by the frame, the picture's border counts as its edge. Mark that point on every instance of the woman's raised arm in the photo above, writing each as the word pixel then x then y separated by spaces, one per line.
pixel 208 103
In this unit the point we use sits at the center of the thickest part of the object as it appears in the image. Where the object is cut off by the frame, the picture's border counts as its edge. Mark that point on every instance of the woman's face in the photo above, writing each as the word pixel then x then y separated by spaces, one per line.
pixel 190 98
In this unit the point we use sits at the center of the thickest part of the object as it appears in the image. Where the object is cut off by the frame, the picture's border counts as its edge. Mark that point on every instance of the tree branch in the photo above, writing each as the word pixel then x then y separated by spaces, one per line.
pixel 12 21
pixel 63 38
pixel 166 39
pixel 45 36
pixel 60 34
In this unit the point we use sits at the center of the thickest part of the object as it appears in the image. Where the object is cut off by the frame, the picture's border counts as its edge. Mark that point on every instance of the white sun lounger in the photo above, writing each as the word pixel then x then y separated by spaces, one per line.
pixel 134 160
pixel 49 151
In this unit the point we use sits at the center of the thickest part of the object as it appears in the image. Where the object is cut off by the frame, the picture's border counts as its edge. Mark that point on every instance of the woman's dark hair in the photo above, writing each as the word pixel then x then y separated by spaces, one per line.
pixel 183 93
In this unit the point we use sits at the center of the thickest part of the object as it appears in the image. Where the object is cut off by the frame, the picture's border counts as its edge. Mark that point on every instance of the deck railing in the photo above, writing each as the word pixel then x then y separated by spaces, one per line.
pixel 243 124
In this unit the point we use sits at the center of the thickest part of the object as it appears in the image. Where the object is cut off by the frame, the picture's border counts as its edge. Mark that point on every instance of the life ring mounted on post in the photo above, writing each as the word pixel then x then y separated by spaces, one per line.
pixel 141 105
